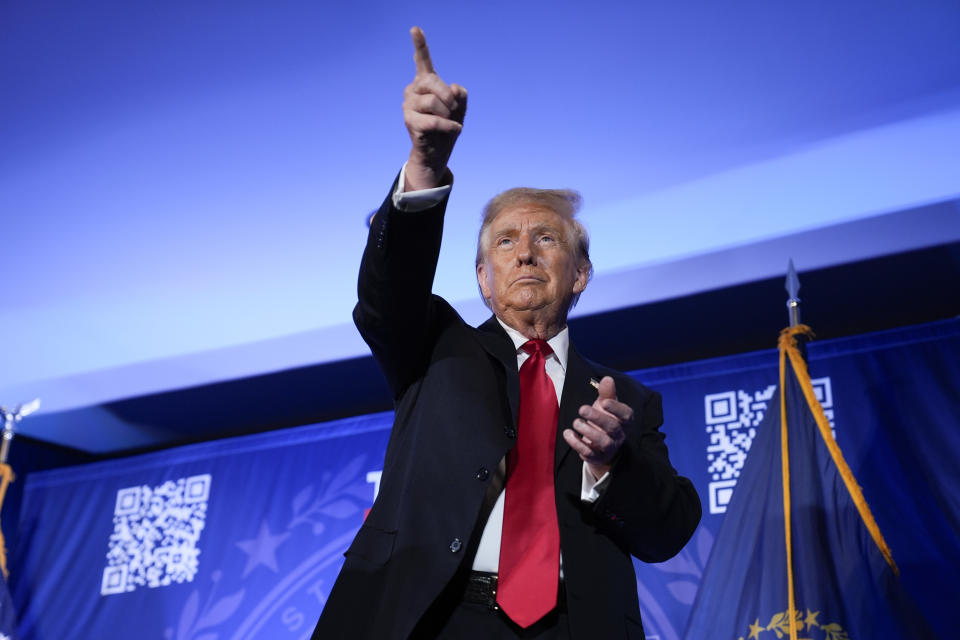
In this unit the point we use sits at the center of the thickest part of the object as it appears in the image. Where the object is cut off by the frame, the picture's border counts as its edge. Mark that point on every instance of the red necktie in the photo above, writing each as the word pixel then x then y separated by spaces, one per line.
pixel 530 542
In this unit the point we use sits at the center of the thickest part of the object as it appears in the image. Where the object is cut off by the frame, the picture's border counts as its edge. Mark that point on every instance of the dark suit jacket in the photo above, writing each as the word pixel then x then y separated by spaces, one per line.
pixel 456 391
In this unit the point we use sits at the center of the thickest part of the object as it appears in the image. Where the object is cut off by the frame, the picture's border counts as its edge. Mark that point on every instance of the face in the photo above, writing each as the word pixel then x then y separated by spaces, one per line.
pixel 529 265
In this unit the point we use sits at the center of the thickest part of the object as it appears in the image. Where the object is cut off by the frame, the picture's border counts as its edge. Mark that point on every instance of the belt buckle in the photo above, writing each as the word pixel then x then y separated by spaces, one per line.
pixel 491 583
pixel 484 589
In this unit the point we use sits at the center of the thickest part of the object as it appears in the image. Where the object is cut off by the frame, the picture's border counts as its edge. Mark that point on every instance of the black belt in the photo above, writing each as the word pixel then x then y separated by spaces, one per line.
pixel 482 589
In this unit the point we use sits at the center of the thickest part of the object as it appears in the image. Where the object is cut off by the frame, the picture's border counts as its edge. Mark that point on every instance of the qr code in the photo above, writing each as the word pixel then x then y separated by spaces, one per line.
pixel 732 418
pixel 155 534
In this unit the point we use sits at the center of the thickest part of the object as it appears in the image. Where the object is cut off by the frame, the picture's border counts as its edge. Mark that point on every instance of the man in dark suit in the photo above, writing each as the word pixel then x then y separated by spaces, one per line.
pixel 446 551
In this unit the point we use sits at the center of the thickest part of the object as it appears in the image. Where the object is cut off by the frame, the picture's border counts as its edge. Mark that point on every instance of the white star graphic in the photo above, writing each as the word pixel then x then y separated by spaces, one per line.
pixel 261 550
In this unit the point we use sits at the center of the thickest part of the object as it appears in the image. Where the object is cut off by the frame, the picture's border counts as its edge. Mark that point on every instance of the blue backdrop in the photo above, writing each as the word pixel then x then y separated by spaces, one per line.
pixel 243 538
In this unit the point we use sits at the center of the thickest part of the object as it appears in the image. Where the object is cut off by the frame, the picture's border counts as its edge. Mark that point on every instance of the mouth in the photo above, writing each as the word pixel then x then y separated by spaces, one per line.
pixel 528 279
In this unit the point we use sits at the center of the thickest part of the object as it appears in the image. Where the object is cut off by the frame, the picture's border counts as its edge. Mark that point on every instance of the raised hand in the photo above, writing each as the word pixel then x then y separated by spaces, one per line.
pixel 433 112
pixel 598 433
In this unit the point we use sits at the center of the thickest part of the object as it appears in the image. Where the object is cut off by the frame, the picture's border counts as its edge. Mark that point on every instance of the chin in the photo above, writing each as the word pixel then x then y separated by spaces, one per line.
pixel 529 305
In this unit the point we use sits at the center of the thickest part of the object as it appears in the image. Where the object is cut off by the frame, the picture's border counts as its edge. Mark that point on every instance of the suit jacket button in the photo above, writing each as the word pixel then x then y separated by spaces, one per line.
pixel 455 545
pixel 482 474
pixel 510 431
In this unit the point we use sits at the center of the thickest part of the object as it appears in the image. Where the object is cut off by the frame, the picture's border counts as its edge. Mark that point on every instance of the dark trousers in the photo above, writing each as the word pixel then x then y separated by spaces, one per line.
pixel 450 618
pixel 470 621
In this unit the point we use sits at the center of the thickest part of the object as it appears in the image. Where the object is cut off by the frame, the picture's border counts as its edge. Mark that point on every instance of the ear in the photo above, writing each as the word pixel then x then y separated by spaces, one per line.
pixel 583 275
pixel 482 280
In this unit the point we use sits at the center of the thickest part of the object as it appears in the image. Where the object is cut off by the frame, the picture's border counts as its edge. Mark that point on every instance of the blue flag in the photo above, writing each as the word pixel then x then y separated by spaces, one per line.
pixel 799 554
pixel 8 620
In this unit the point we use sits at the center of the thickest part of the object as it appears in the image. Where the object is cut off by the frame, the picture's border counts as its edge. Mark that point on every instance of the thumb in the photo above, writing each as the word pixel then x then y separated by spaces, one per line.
pixel 607 389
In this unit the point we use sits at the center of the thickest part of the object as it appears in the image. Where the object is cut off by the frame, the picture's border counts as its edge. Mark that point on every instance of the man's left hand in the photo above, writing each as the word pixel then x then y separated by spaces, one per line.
pixel 599 431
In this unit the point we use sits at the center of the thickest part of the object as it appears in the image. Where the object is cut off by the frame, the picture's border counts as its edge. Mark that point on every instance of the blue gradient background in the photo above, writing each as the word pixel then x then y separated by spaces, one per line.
pixel 183 186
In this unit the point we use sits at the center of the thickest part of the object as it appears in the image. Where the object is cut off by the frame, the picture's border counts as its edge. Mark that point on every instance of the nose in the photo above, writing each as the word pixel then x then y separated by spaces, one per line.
pixel 526 251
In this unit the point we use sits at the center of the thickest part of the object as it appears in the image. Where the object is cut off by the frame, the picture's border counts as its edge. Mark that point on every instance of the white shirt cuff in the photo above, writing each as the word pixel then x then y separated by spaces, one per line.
pixel 421 200
pixel 590 488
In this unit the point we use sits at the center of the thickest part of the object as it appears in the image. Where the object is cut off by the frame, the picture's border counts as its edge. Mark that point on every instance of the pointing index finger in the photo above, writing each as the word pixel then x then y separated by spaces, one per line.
pixel 421 53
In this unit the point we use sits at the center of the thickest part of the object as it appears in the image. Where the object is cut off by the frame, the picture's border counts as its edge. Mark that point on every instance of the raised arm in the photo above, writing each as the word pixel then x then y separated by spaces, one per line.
pixel 396 313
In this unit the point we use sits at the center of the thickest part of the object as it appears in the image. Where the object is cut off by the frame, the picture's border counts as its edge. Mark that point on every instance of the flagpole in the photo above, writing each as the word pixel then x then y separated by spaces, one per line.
pixel 793 311
pixel 793 290
pixel 792 285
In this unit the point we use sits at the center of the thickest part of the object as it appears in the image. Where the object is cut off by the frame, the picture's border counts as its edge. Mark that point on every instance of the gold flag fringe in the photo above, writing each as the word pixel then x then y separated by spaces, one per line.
pixel 6 477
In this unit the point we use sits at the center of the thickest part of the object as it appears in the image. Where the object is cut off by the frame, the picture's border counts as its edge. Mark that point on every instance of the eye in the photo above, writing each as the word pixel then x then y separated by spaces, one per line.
pixel 547 239
pixel 504 242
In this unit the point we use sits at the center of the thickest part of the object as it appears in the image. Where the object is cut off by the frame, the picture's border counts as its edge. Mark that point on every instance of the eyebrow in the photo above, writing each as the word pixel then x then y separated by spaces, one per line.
pixel 540 228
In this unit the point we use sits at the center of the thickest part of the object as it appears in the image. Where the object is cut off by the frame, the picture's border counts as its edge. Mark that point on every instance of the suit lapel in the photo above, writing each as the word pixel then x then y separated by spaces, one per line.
pixel 577 391
pixel 498 344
